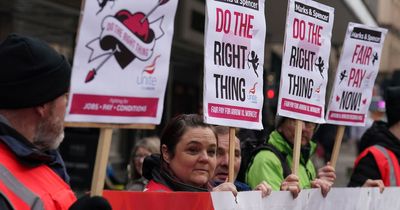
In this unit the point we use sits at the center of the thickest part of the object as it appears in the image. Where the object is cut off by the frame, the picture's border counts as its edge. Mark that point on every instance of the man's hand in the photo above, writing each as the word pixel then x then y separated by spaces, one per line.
pixel 375 183
pixel 291 183
pixel 323 184
pixel 327 173
pixel 226 186
pixel 265 188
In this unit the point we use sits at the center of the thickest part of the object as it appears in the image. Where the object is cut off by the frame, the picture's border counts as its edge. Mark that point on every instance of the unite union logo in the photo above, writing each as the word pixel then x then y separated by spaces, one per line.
pixel 146 80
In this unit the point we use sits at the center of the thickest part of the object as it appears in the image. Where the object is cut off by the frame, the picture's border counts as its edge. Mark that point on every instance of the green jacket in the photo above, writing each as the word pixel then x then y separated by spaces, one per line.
pixel 266 166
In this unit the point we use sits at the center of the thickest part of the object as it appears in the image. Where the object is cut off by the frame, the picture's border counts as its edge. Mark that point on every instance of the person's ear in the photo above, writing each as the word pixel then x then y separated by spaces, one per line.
pixel 41 110
pixel 165 153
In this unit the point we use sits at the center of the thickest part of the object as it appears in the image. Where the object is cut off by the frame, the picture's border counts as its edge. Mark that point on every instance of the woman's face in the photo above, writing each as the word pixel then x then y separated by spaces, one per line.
pixel 140 154
pixel 195 156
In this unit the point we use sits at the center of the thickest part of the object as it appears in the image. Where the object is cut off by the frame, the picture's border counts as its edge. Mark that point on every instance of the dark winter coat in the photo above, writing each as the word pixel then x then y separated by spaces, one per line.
pixel 154 172
pixel 367 168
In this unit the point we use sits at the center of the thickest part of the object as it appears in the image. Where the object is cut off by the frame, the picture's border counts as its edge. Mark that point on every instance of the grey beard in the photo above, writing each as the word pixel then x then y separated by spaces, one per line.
pixel 45 142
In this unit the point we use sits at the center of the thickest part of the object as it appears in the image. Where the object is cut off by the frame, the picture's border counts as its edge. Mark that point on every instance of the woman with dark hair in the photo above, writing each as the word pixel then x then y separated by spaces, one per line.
pixel 188 158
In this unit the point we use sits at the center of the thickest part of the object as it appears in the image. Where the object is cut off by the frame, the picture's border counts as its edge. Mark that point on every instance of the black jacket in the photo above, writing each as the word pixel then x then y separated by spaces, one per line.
pixel 367 168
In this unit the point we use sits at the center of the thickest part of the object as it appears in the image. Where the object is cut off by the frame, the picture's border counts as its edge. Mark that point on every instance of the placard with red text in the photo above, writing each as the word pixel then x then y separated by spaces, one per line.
pixel 121 61
pixel 234 59
pixel 355 75
pixel 305 60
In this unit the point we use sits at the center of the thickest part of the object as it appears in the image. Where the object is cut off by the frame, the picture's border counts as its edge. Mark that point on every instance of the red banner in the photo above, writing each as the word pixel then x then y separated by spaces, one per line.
pixel 128 200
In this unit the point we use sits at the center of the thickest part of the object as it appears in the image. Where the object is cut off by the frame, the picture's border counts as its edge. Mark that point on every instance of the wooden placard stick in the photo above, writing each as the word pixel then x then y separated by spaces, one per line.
pixel 232 138
pixel 297 146
pixel 103 149
pixel 99 173
pixel 336 147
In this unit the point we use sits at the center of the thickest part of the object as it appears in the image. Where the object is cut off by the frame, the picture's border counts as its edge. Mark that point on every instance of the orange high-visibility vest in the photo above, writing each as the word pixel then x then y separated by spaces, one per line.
pixel 387 162
pixel 33 188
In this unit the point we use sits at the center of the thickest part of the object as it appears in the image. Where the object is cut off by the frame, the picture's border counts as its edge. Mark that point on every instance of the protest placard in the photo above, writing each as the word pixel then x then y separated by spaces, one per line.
pixel 234 59
pixel 305 61
pixel 120 70
pixel 355 76
pixel 121 62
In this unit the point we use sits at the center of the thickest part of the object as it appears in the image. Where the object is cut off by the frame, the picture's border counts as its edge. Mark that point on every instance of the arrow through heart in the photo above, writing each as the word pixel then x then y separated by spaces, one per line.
pixel 139 26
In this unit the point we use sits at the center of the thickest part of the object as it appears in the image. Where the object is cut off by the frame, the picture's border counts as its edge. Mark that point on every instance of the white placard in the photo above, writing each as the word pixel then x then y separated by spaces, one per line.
pixel 360 198
pixel 121 62
pixel 305 60
pixel 234 59
pixel 247 200
pixel 356 74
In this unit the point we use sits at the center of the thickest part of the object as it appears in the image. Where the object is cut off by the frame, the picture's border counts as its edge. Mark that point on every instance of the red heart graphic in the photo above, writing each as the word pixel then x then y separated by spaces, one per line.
pixel 134 23
pixel 337 98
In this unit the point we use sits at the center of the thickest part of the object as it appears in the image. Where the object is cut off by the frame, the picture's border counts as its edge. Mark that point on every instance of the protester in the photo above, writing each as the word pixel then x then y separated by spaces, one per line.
pixel 143 148
pixel 188 158
pixel 222 168
pixel 267 165
pixel 378 164
pixel 34 83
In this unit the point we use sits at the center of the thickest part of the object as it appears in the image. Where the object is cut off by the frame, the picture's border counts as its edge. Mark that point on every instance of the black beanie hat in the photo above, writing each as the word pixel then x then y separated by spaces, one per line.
pixel 31 73
pixel 392 103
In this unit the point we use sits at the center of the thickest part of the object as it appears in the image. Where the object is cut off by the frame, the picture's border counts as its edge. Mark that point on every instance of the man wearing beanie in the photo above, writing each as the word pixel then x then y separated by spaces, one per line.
pixel 273 165
pixel 34 82
pixel 378 164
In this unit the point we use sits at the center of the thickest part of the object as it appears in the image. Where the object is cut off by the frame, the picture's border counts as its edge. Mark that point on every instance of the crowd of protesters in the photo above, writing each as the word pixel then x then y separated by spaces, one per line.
pixel 189 156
